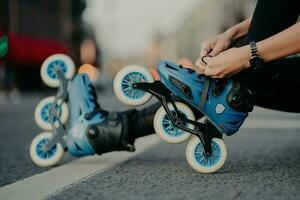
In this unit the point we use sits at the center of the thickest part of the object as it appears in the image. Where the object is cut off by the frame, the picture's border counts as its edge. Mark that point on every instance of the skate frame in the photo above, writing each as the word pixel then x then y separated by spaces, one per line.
pixel 164 95
pixel 59 133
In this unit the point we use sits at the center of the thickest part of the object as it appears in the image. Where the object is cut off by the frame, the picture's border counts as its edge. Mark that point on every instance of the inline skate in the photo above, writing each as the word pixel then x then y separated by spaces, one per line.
pixel 73 120
pixel 224 103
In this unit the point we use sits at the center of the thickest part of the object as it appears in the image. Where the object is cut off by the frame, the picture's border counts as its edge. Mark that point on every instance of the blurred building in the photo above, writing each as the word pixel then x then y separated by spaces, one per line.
pixel 37 29
pixel 202 20
pixel 208 19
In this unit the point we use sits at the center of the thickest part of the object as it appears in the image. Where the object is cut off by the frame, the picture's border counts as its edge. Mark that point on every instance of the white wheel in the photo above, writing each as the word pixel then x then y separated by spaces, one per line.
pixel 42 111
pixel 123 85
pixel 197 160
pixel 61 61
pixel 43 158
pixel 166 130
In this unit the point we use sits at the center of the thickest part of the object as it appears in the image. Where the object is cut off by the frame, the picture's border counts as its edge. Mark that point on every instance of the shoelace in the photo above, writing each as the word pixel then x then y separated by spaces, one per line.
pixel 93 97
pixel 191 71
pixel 219 83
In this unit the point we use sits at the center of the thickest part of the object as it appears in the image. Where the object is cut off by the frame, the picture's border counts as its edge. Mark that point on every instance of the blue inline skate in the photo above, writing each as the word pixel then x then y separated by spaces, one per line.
pixel 224 103
pixel 73 120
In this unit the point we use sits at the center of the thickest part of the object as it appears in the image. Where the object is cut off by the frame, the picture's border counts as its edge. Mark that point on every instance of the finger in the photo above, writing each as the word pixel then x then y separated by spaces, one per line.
pixel 219 76
pixel 229 74
pixel 200 71
pixel 204 52
pixel 212 72
pixel 208 71
pixel 216 50
pixel 198 62
pixel 205 49
pixel 200 66
pixel 205 59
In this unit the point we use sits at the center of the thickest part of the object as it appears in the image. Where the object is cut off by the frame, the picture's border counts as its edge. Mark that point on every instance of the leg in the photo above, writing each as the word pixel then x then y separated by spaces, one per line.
pixel 121 129
pixel 275 82
pixel 281 89
pixel 141 122
pixel 282 80
pixel 271 17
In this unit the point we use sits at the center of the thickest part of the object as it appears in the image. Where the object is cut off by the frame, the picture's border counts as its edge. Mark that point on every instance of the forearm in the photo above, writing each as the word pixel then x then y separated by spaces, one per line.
pixel 280 45
pixel 239 29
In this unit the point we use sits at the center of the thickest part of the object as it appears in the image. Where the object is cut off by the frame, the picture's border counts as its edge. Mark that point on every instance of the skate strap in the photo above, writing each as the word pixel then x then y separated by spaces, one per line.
pixel 204 93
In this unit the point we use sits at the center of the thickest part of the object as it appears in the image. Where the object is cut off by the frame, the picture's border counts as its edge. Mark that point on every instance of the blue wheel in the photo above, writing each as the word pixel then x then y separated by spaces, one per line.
pixel 200 163
pixel 42 157
pixel 54 62
pixel 123 85
pixel 42 113
pixel 166 130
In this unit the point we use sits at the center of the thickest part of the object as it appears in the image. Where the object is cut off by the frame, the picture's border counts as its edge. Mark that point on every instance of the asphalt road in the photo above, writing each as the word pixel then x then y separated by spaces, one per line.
pixel 18 128
pixel 263 163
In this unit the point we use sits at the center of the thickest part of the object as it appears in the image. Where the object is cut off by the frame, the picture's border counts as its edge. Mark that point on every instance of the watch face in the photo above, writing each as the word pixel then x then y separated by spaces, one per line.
pixel 256 62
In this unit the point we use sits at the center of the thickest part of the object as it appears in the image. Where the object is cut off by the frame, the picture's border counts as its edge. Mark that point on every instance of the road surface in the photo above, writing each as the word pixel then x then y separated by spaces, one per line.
pixel 263 162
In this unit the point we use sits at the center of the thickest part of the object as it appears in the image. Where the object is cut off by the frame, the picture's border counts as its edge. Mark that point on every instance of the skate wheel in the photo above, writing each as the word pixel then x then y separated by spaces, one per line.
pixel 61 61
pixel 166 130
pixel 42 111
pixel 43 158
pixel 123 85
pixel 197 160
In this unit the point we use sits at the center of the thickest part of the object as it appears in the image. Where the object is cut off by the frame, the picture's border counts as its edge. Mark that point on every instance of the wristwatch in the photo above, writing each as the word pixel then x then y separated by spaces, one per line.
pixel 256 61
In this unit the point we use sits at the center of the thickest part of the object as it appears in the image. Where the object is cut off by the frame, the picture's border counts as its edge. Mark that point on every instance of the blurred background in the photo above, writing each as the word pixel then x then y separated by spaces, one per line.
pixel 110 34
pixel 106 33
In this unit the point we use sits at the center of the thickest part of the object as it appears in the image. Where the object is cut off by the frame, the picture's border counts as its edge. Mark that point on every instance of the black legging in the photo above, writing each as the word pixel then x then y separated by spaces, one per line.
pixel 281 81
pixel 283 76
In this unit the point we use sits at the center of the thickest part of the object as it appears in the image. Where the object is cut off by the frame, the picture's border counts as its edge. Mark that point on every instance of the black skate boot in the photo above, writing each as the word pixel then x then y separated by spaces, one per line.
pixel 112 134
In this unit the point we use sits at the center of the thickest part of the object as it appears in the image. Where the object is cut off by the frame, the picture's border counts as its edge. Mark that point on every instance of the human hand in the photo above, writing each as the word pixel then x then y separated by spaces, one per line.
pixel 214 46
pixel 227 63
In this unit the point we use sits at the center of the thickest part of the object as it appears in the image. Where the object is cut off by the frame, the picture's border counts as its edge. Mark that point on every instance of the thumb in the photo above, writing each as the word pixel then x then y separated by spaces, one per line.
pixel 208 71
pixel 216 50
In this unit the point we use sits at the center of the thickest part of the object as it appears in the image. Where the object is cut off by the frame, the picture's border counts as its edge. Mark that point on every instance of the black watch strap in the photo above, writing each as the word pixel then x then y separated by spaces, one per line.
pixel 253 47
pixel 256 61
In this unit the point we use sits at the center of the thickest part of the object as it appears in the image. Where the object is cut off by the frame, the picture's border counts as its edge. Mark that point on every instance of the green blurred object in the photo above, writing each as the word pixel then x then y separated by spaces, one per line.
pixel 3 46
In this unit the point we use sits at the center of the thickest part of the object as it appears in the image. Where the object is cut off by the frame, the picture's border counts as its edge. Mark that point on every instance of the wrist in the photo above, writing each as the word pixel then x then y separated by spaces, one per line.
pixel 230 33
pixel 245 56
pixel 235 32
pixel 256 61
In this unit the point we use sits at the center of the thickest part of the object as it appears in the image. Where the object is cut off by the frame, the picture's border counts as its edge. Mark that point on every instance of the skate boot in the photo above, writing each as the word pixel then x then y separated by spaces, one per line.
pixel 73 119
pixel 112 134
pixel 225 103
